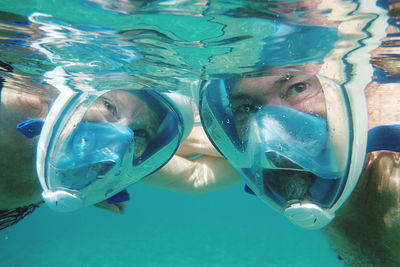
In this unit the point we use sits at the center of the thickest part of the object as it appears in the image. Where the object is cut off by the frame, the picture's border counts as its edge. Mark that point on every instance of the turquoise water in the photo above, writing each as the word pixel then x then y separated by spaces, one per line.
pixel 160 228
pixel 166 45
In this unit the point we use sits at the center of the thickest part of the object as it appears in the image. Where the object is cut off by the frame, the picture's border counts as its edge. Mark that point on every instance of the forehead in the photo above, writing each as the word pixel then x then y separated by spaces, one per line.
pixel 271 80
pixel 124 99
pixel 256 85
pixel 264 82
pixel 120 95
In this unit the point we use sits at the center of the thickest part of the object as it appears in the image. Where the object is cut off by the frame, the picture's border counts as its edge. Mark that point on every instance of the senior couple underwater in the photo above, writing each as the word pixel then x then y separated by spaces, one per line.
pixel 322 152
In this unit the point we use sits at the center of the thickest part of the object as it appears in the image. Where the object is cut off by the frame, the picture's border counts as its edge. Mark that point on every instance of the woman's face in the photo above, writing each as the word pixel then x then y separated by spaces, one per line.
pixel 127 109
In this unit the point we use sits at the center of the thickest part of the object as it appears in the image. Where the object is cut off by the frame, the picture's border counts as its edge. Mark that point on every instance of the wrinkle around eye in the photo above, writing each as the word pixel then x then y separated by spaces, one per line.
pixel 244 104
pixel 294 88
pixel 106 110
pixel 247 108
pixel 111 108
pixel 307 93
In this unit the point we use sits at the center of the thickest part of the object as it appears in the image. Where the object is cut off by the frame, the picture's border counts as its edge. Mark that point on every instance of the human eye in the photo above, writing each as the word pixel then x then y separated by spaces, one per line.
pixel 300 91
pixel 109 110
pixel 297 88
pixel 243 109
pixel 110 107
pixel 247 108
pixel 244 105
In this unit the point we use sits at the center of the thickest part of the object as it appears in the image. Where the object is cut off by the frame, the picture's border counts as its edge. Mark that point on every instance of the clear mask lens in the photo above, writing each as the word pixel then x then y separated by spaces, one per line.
pixel 287 137
pixel 102 143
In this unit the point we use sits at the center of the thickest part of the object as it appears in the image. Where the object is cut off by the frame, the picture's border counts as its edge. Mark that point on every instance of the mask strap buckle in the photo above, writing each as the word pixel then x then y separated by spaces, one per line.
pixel 30 128
pixel 384 137
pixel 248 190
pixel 119 197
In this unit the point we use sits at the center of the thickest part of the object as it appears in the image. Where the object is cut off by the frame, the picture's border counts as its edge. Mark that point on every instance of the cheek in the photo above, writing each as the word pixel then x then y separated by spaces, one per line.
pixel 95 114
pixel 140 146
pixel 313 105
pixel 143 117
pixel 241 121
pixel 152 120
pixel 138 112
pixel 90 115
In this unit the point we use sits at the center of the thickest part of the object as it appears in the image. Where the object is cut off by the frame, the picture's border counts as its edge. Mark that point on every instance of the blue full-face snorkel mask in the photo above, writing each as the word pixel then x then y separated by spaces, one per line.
pixel 303 165
pixel 82 160
pixel 297 162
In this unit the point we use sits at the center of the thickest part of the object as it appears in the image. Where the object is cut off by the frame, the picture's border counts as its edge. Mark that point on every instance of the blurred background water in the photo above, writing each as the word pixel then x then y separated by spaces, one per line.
pixel 169 45
pixel 160 228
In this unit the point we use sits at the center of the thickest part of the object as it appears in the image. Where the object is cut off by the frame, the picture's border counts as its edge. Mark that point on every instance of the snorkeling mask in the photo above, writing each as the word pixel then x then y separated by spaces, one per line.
pixel 91 147
pixel 301 163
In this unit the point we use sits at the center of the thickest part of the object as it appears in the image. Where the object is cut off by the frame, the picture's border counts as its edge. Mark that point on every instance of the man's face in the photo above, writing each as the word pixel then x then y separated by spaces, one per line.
pixel 299 90
pixel 127 109
pixel 294 89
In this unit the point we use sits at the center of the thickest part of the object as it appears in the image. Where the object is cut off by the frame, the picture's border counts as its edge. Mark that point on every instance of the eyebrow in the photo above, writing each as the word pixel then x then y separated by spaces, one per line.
pixel 278 82
pixel 237 96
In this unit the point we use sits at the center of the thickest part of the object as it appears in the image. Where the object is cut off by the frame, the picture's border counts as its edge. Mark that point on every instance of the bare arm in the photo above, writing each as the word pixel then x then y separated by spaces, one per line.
pixel 202 175
pixel 197 143
pixel 207 173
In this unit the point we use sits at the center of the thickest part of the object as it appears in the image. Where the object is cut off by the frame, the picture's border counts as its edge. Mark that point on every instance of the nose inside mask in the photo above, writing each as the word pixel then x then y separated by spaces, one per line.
pixel 94 149
pixel 280 162
pixel 295 140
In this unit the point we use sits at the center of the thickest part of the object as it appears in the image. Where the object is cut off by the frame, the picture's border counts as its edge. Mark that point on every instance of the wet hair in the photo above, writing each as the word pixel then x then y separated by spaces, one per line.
pixel 4 67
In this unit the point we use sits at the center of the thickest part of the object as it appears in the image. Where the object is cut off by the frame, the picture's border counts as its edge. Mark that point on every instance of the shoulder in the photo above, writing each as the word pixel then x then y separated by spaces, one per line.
pixel 366 230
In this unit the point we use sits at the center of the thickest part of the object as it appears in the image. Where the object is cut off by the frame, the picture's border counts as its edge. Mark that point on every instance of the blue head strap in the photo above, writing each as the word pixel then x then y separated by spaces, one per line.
pixel 30 128
pixel 384 137
pixel 119 197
